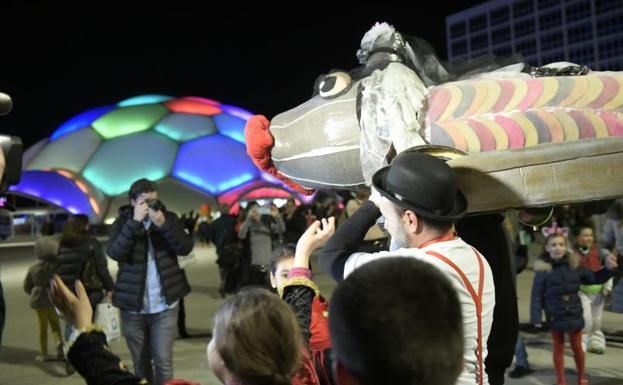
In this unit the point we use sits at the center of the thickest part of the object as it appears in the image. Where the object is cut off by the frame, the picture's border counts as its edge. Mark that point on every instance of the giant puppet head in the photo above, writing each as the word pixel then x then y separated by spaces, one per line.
pixel 516 136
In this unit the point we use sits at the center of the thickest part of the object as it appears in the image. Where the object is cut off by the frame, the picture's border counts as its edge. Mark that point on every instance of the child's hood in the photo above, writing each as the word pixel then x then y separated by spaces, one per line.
pixel 46 248
pixel 541 265
pixel 545 263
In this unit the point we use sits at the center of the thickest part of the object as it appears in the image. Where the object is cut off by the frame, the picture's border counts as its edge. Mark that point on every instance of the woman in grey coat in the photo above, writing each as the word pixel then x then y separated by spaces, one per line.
pixel 260 228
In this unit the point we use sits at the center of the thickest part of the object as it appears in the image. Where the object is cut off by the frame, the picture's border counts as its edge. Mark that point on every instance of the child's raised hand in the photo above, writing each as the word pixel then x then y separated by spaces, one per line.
pixel 611 262
pixel 314 237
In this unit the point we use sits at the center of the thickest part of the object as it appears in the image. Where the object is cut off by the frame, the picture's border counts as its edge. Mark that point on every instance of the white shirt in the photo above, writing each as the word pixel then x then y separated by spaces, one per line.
pixel 153 298
pixel 461 254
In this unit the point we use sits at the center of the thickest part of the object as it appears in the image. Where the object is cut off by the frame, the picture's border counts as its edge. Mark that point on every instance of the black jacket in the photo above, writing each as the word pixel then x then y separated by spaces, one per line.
pixel 72 259
pixel 346 240
pixel 128 245
pixel 223 232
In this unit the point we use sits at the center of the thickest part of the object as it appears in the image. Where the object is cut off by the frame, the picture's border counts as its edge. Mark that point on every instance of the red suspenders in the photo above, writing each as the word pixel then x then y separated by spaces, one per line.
pixel 477 298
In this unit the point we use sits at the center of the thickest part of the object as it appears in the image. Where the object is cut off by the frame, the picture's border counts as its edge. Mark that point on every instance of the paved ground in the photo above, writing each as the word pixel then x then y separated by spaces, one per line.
pixel 17 364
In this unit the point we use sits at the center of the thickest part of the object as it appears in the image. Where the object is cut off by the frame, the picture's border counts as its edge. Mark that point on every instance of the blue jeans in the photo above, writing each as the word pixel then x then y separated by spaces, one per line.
pixel 521 355
pixel 150 338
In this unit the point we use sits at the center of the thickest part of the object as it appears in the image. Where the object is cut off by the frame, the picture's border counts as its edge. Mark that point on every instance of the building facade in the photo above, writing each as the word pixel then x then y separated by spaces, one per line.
pixel 588 32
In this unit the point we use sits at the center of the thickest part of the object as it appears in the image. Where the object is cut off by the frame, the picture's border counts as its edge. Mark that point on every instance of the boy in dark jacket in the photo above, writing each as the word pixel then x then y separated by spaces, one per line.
pixel 145 240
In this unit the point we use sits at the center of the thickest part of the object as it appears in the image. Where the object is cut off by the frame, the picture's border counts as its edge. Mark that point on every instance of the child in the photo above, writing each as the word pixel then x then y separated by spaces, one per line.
pixel 559 290
pixel 36 284
pixel 320 341
pixel 592 296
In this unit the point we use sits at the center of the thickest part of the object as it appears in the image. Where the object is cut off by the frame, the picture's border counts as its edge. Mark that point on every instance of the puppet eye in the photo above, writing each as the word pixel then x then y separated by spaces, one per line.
pixel 334 84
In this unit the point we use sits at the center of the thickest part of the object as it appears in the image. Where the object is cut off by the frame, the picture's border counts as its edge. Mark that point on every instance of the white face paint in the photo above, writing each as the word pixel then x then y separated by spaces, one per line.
pixel 393 223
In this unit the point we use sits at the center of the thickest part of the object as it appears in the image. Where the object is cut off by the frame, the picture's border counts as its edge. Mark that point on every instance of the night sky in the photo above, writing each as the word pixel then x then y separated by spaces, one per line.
pixel 56 68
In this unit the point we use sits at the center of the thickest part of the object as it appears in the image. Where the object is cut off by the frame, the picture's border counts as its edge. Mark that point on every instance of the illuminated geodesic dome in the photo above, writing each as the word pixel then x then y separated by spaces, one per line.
pixel 194 147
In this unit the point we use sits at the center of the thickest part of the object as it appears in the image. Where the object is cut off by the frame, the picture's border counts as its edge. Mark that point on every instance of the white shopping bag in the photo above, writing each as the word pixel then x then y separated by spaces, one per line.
pixel 186 260
pixel 108 317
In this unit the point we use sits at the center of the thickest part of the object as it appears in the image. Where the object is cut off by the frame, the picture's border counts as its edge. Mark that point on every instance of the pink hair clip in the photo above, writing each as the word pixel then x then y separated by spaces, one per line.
pixel 555 229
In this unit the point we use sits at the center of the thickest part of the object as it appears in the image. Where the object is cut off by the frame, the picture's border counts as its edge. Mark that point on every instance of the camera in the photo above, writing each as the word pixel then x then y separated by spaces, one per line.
pixel 11 150
pixel 10 161
pixel 155 204
pixel 263 210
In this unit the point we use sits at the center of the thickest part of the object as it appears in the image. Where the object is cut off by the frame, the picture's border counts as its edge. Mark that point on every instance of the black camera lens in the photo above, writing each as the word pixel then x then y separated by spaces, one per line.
pixel 155 204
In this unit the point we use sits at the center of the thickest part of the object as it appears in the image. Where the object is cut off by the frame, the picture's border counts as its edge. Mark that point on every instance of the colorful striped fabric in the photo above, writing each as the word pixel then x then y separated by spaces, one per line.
pixel 486 114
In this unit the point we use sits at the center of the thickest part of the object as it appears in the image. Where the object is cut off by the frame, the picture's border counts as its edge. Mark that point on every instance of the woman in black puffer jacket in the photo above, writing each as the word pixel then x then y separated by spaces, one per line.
pixel 80 256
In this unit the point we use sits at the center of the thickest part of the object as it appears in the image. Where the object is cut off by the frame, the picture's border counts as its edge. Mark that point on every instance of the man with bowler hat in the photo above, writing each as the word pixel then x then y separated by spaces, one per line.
pixel 419 202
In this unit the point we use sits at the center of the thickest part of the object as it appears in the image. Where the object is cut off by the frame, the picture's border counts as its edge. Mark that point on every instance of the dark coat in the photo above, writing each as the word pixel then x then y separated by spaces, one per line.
pixel 486 233
pixel 223 232
pixel 557 292
pixel 128 245
pixel 72 260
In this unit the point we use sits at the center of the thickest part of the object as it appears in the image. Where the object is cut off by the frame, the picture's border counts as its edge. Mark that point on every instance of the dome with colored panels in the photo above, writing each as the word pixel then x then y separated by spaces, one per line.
pixel 194 147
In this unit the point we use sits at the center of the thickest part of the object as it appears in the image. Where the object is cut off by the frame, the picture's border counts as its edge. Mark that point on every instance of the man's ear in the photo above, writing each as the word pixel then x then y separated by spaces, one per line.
pixel 412 222
pixel 273 280
pixel 341 375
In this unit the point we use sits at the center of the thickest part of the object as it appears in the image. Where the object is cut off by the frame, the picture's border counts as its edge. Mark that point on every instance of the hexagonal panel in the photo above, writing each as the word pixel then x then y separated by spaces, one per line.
pixel 33 151
pixel 231 126
pixel 192 106
pixel 128 120
pixel 56 189
pixel 121 161
pixel 185 127
pixel 231 196
pixel 143 99
pixel 214 164
pixel 70 152
pixel 236 111
pixel 80 121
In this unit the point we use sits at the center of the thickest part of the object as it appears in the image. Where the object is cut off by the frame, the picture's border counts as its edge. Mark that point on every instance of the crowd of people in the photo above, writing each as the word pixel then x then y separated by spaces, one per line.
pixel 419 289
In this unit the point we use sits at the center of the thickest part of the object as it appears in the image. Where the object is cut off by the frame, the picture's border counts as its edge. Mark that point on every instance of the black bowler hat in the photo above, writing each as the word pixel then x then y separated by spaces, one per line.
pixel 422 183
